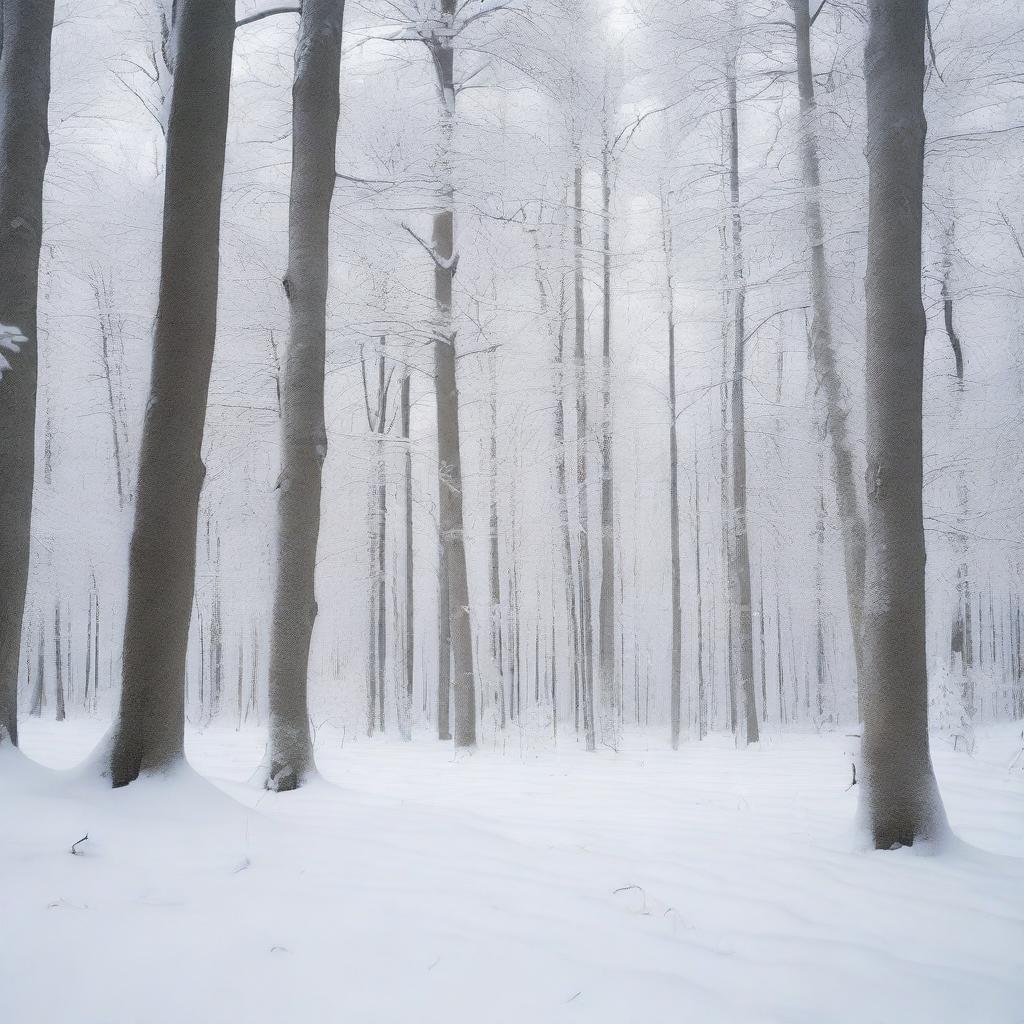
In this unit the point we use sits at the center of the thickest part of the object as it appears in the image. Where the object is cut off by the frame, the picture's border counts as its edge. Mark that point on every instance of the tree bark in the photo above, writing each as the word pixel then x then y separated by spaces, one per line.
pixel 26 27
pixel 606 599
pixel 449 451
pixel 494 575
pixel 444 648
pixel 702 702
pixel 60 709
pixel 739 551
pixel 149 732
pixel 676 680
pixel 900 802
pixel 561 478
pixel 410 619
pixel 580 360
pixel 315 106
pixel 828 380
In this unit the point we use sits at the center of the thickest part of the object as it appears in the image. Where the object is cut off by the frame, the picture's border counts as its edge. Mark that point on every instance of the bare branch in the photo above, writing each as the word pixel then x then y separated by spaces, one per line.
pixel 268 13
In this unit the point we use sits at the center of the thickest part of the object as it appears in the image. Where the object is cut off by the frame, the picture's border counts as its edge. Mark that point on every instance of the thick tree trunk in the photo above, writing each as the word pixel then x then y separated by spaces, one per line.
pixel 828 380
pixel 149 733
pixel 25 29
pixel 315 104
pixel 739 550
pixel 449 450
pixel 900 802
pixel 444 648
pixel 676 679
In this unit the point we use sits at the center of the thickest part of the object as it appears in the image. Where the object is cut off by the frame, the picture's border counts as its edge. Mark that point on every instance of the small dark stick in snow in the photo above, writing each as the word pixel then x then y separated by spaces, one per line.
pixel 74 851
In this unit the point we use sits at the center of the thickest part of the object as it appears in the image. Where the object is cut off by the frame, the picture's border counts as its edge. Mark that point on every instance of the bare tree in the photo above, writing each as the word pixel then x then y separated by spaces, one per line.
pixel 676 681
pixel 583 569
pixel 377 420
pixel 823 350
pixel 26 27
pixel 439 41
pixel 410 618
pixel 608 688
pixel 900 802
pixel 315 111
pixel 149 732
pixel 739 547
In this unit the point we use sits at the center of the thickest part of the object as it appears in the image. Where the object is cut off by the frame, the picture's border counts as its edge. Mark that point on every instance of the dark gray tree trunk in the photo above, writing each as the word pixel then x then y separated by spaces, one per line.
pixel 900 802
pixel 315 106
pixel 449 450
pixel 149 733
pixel 444 648
pixel 25 30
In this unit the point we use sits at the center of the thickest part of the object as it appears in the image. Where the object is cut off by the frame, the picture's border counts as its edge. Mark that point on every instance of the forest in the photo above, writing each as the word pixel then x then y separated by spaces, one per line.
pixel 511 491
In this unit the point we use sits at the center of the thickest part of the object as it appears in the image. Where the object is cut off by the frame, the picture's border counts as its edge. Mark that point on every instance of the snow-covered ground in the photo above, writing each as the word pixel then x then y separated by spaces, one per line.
pixel 710 885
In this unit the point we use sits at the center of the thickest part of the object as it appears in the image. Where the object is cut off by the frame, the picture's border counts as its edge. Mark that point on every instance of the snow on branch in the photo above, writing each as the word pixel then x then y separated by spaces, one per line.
pixel 11 339
pixel 450 264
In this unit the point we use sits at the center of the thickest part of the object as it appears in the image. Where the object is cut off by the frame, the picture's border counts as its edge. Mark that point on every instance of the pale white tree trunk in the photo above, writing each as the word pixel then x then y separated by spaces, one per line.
pixel 676 678
pixel 608 689
pixel 828 380
pixel 583 572
pixel 739 548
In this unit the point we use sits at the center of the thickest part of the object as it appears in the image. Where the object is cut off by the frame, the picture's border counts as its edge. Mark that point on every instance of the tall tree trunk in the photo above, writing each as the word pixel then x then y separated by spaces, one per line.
pixel 676 680
pixel 449 451
pixel 561 477
pixel 58 663
pixel 702 701
pixel 380 573
pixel 828 380
pixel 39 686
pixel 410 619
pixel 25 30
pixel 583 572
pixel 149 733
pixel 739 570
pixel 444 648
pixel 606 599
pixel 315 104
pixel 88 655
pixel 900 801
pixel 494 576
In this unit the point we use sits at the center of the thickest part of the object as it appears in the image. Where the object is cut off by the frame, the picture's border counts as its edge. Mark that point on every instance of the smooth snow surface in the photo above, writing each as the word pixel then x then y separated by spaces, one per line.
pixel 711 885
